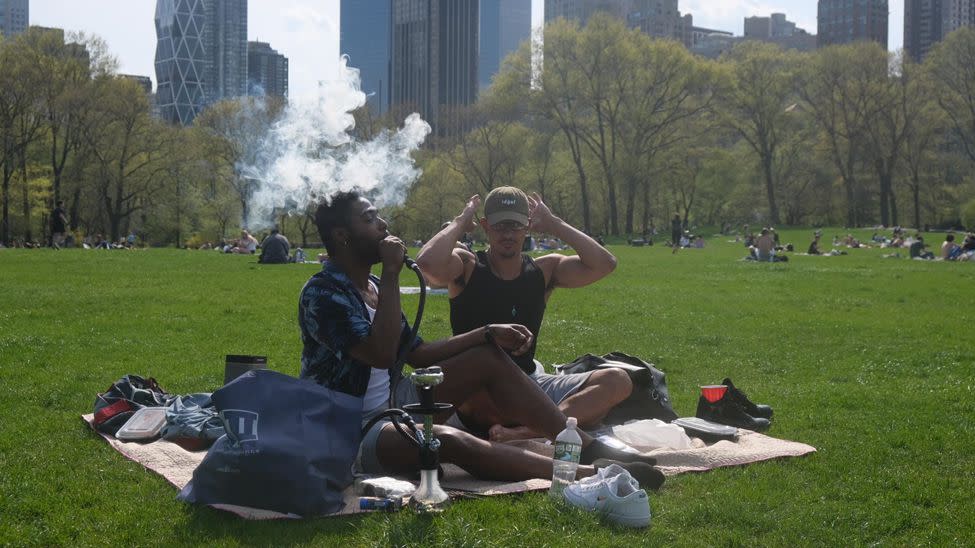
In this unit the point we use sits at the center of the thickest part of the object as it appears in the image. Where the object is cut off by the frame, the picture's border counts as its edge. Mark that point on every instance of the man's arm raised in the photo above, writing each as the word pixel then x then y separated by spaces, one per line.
pixel 440 259
pixel 592 261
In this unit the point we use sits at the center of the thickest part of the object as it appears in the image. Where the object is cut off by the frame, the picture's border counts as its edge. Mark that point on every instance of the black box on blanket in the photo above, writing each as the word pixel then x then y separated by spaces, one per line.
pixel 237 365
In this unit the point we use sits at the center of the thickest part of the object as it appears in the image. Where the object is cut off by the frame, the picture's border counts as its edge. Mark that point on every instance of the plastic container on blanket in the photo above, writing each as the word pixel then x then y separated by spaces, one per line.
pixel 145 424
pixel 650 434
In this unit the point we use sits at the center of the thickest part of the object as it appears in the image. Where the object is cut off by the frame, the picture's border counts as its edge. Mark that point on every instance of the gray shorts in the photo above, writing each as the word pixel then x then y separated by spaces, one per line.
pixel 556 387
pixel 559 387
pixel 367 461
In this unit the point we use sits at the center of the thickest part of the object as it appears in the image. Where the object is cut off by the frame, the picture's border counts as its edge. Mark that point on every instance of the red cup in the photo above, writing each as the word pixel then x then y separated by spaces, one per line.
pixel 713 392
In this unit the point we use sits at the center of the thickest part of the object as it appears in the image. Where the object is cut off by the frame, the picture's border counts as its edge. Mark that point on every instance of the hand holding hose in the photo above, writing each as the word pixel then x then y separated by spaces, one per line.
pixel 392 252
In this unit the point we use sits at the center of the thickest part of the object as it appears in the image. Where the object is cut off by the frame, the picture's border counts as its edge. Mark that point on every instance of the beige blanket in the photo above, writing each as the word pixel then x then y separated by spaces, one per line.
pixel 750 447
pixel 176 465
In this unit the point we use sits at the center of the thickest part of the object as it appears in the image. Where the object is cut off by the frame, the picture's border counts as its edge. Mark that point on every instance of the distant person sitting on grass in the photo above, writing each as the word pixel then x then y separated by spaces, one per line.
pixel 967 248
pixel 917 249
pixel 764 247
pixel 353 329
pixel 814 246
pixel 275 249
pixel 969 243
pixel 246 244
pixel 949 249
pixel 101 242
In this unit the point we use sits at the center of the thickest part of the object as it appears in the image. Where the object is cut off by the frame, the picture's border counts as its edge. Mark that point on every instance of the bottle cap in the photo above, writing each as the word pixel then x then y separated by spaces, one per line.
pixel 571 422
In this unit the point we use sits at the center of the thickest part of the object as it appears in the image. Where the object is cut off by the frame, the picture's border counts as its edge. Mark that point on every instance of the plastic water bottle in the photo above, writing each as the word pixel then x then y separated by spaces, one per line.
pixel 568 447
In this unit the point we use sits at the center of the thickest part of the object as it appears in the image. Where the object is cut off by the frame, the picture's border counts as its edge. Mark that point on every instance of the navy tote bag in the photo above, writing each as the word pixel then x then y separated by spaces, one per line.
pixel 289 446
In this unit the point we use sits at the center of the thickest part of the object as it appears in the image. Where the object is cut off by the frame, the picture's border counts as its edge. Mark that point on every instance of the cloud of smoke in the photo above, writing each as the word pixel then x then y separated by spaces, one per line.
pixel 310 153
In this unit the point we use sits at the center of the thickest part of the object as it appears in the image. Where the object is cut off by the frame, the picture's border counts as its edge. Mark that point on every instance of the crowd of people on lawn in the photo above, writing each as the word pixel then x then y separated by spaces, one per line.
pixel 763 246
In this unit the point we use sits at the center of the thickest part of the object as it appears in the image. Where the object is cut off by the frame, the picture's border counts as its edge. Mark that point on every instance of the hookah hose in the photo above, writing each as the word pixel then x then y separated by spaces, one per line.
pixel 396 415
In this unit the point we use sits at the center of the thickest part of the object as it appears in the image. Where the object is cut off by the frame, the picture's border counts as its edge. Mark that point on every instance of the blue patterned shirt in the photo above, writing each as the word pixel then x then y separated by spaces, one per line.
pixel 333 318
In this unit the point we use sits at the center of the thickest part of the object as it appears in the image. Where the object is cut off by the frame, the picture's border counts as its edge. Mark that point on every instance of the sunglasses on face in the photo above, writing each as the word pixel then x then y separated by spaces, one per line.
pixel 508 226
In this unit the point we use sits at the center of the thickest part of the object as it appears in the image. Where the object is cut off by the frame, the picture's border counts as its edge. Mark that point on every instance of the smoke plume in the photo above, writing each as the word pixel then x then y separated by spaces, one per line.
pixel 310 153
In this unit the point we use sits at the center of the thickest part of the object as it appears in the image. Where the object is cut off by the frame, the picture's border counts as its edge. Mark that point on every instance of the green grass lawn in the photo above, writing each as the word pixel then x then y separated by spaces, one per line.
pixel 868 359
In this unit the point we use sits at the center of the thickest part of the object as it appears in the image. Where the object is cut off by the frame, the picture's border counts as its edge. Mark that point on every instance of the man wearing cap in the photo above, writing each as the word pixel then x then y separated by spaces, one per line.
pixel 502 285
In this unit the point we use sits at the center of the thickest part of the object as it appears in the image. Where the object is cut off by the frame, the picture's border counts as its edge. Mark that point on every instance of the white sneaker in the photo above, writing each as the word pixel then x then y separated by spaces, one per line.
pixel 603 474
pixel 618 497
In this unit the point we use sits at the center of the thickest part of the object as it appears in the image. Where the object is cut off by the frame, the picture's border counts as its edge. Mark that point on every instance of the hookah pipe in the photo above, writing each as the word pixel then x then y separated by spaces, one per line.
pixel 428 497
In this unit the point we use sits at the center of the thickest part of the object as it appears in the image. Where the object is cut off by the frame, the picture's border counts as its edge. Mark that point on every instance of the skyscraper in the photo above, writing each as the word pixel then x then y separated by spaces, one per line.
pixel 364 34
pixel 144 82
pixel 927 22
pixel 14 17
pixel 845 21
pixel 505 24
pixel 434 58
pixel 267 70
pixel 180 59
pixel 225 49
pixel 657 18
pixel 201 55
pixel 582 10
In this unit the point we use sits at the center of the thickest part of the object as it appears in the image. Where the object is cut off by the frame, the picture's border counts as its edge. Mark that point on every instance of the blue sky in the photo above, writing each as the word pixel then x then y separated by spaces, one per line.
pixel 307 30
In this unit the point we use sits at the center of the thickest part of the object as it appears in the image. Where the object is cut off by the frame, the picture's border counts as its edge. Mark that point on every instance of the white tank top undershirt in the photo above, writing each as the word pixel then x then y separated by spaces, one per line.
pixel 377 393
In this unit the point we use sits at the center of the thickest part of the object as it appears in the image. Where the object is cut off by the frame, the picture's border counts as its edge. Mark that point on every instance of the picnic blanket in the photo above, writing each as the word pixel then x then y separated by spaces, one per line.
pixel 176 465
pixel 750 447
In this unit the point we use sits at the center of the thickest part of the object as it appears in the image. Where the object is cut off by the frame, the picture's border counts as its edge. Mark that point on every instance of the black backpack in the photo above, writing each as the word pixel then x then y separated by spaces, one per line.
pixel 650 398
pixel 126 396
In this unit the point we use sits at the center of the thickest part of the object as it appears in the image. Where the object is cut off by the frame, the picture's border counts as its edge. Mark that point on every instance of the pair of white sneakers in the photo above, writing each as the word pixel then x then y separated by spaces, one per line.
pixel 614 493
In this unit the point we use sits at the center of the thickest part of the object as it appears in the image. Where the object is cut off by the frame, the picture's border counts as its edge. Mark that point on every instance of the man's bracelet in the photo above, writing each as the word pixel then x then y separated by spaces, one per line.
pixel 488 336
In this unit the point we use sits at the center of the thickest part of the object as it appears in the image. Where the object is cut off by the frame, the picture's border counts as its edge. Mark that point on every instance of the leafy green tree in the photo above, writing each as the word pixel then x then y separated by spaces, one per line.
pixel 951 65
pixel 968 214
pixel 239 127
pixel 490 154
pixel 756 105
pixel 126 146
pixel 65 92
pixel 550 93
pixel 669 106
pixel 900 106
pixel 19 120
pixel 841 86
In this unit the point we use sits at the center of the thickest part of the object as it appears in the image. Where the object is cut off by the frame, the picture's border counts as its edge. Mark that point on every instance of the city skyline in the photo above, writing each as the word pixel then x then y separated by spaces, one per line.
pixel 307 31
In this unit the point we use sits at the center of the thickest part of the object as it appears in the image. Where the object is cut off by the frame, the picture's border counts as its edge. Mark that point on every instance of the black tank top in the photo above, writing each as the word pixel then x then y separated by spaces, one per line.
pixel 488 299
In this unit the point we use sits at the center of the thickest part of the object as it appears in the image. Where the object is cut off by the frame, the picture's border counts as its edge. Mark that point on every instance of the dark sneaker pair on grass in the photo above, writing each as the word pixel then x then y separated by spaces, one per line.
pixel 725 404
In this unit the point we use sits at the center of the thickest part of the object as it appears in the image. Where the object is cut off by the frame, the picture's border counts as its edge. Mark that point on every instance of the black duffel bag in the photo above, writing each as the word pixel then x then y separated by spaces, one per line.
pixel 115 406
pixel 650 398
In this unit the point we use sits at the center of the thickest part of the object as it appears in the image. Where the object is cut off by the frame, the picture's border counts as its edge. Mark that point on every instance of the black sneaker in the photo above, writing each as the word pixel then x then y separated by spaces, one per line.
pixel 730 412
pixel 753 409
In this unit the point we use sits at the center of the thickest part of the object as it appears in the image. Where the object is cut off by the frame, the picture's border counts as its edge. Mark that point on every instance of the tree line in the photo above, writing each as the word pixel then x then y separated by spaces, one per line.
pixel 616 130
pixel 73 130
pixel 619 132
